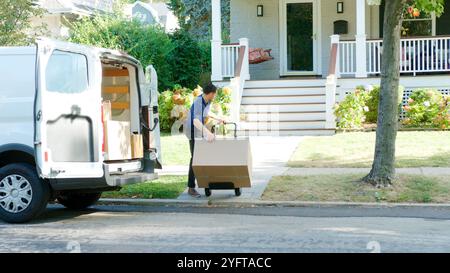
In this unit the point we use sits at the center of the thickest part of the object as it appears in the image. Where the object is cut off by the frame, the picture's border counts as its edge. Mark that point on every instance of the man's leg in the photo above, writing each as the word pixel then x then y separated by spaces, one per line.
pixel 191 179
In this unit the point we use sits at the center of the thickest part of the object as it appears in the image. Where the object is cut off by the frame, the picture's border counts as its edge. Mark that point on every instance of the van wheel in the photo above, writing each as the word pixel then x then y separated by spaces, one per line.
pixel 77 200
pixel 23 195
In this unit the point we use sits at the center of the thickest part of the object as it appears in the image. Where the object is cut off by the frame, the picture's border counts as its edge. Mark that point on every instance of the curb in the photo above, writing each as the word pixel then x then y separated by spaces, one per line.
pixel 258 203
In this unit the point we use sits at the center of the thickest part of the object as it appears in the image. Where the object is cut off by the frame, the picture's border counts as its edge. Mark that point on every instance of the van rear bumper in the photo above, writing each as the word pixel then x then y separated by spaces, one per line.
pixel 130 178
pixel 108 181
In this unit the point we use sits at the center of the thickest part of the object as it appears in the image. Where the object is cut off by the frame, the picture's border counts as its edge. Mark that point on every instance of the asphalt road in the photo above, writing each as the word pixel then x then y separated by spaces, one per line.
pixel 252 229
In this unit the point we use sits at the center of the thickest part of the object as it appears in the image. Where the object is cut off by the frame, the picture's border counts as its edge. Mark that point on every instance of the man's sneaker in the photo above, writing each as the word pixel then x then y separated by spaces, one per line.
pixel 194 193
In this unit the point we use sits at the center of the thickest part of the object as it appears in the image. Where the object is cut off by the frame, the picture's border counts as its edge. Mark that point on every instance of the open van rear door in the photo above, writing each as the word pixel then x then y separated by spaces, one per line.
pixel 68 111
pixel 150 90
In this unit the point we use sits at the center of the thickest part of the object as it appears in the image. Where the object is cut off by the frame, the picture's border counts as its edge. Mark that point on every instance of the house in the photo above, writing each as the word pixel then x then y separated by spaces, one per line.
pixel 153 13
pixel 60 12
pixel 322 50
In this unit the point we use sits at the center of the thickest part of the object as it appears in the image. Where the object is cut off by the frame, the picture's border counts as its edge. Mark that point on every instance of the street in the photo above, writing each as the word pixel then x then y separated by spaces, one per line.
pixel 231 229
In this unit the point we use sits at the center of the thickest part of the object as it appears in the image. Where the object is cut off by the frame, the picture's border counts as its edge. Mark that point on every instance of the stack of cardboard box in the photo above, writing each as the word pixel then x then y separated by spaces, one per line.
pixel 120 144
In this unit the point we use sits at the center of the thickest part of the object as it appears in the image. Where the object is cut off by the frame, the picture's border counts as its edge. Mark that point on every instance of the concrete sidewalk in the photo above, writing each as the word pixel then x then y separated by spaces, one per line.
pixel 428 171
pixel 270 156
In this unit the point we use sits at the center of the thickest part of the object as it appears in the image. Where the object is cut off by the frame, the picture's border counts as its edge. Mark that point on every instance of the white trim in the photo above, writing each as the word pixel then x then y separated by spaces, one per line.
pixel 317 54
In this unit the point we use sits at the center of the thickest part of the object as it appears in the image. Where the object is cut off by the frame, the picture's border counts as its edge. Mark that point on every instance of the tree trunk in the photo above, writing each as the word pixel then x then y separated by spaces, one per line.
pixel 383 167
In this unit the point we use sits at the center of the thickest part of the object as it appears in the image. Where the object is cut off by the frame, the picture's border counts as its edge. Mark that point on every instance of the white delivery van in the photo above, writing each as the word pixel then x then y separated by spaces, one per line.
pixel 57 140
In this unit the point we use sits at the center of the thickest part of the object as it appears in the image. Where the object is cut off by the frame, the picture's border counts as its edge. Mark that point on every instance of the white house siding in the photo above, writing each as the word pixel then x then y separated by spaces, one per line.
pixel 261 31
pixel 264 31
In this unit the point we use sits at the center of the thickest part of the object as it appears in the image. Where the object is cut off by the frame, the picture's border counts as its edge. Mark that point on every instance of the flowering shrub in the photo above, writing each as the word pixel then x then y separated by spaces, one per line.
pixel 442 120
pixel 174 105
pixel 427 108
pixel 374 99
pixel 350 112
pixel 360 107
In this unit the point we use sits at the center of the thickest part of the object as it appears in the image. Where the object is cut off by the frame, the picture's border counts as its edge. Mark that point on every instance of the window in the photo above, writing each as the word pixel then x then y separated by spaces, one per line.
pixel 66 72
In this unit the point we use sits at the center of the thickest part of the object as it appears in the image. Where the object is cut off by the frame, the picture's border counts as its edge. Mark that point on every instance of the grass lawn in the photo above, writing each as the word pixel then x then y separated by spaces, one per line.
pixel 175 150
pixel 413 149
pixel 166 187
pixel 348 188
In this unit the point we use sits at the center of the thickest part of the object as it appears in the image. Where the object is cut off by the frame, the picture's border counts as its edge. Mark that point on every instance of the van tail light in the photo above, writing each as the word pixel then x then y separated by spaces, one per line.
pixel 46 156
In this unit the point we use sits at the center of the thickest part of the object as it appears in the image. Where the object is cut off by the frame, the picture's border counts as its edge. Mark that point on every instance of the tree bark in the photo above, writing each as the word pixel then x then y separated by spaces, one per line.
pixel 383 167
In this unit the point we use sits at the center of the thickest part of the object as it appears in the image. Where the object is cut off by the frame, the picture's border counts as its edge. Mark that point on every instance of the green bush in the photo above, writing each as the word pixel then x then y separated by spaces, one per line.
pixel 185 59
pixel 149 44
pixel 171 110
pixel 350 112
pixel 442 120
pixel 361 107
pixel 174 105
pixel 177 58
pixel 374 99
pixel 427 108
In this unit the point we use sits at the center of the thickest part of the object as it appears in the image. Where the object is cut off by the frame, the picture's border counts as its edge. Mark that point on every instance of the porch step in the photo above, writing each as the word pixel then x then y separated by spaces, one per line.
pixel 283 108
pixel 283 83
pixel 316 132
pixel 282 125
pixel 287 116
pixel 288 91
pixel 276 99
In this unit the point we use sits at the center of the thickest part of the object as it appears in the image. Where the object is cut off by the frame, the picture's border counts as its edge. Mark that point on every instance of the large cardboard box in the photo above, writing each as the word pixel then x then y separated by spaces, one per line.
pixel 117 140
pixel 223 163
pixel 107 110
pixel 137 146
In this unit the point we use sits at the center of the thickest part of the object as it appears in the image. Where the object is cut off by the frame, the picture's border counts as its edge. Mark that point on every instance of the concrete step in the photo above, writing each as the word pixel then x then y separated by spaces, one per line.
pixel 283 99
pixel 261 92
pixel 315 132
pixel 282 125
pixel 289 116
pixel 283 108
pixel 285 83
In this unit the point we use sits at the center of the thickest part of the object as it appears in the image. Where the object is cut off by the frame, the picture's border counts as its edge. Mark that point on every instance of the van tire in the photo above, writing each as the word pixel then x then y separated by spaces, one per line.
pixel 77 200
pixel 40 192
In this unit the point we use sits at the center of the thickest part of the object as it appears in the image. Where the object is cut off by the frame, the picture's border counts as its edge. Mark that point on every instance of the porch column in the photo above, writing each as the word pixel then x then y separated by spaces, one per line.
pixel 216 42
pixel 245 67
pixel 361 68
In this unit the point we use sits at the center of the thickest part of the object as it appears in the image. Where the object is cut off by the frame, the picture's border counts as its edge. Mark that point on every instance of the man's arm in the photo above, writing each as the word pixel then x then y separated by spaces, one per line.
pixel 215 117
pixel 198 124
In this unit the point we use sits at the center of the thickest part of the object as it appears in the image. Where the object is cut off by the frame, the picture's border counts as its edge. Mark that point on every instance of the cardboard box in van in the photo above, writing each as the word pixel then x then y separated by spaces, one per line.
pixel 107 111
pixel 117 140
pixel 137 146
pixel 223 161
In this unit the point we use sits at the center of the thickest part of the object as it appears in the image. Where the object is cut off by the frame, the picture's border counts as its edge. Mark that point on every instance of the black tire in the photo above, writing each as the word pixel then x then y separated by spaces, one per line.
pixel 39 193
pixel 237 192
pixel 207 192
pixel 77 200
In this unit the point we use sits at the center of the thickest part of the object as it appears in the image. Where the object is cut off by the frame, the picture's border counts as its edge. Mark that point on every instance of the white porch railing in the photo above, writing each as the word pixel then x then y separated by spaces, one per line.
pixel 238 81
pixel 230 57
pixel 417 55
pixel 347 57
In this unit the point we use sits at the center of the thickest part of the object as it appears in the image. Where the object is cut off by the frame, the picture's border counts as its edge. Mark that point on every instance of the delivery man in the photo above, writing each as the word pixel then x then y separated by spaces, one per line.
pixel 195 127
